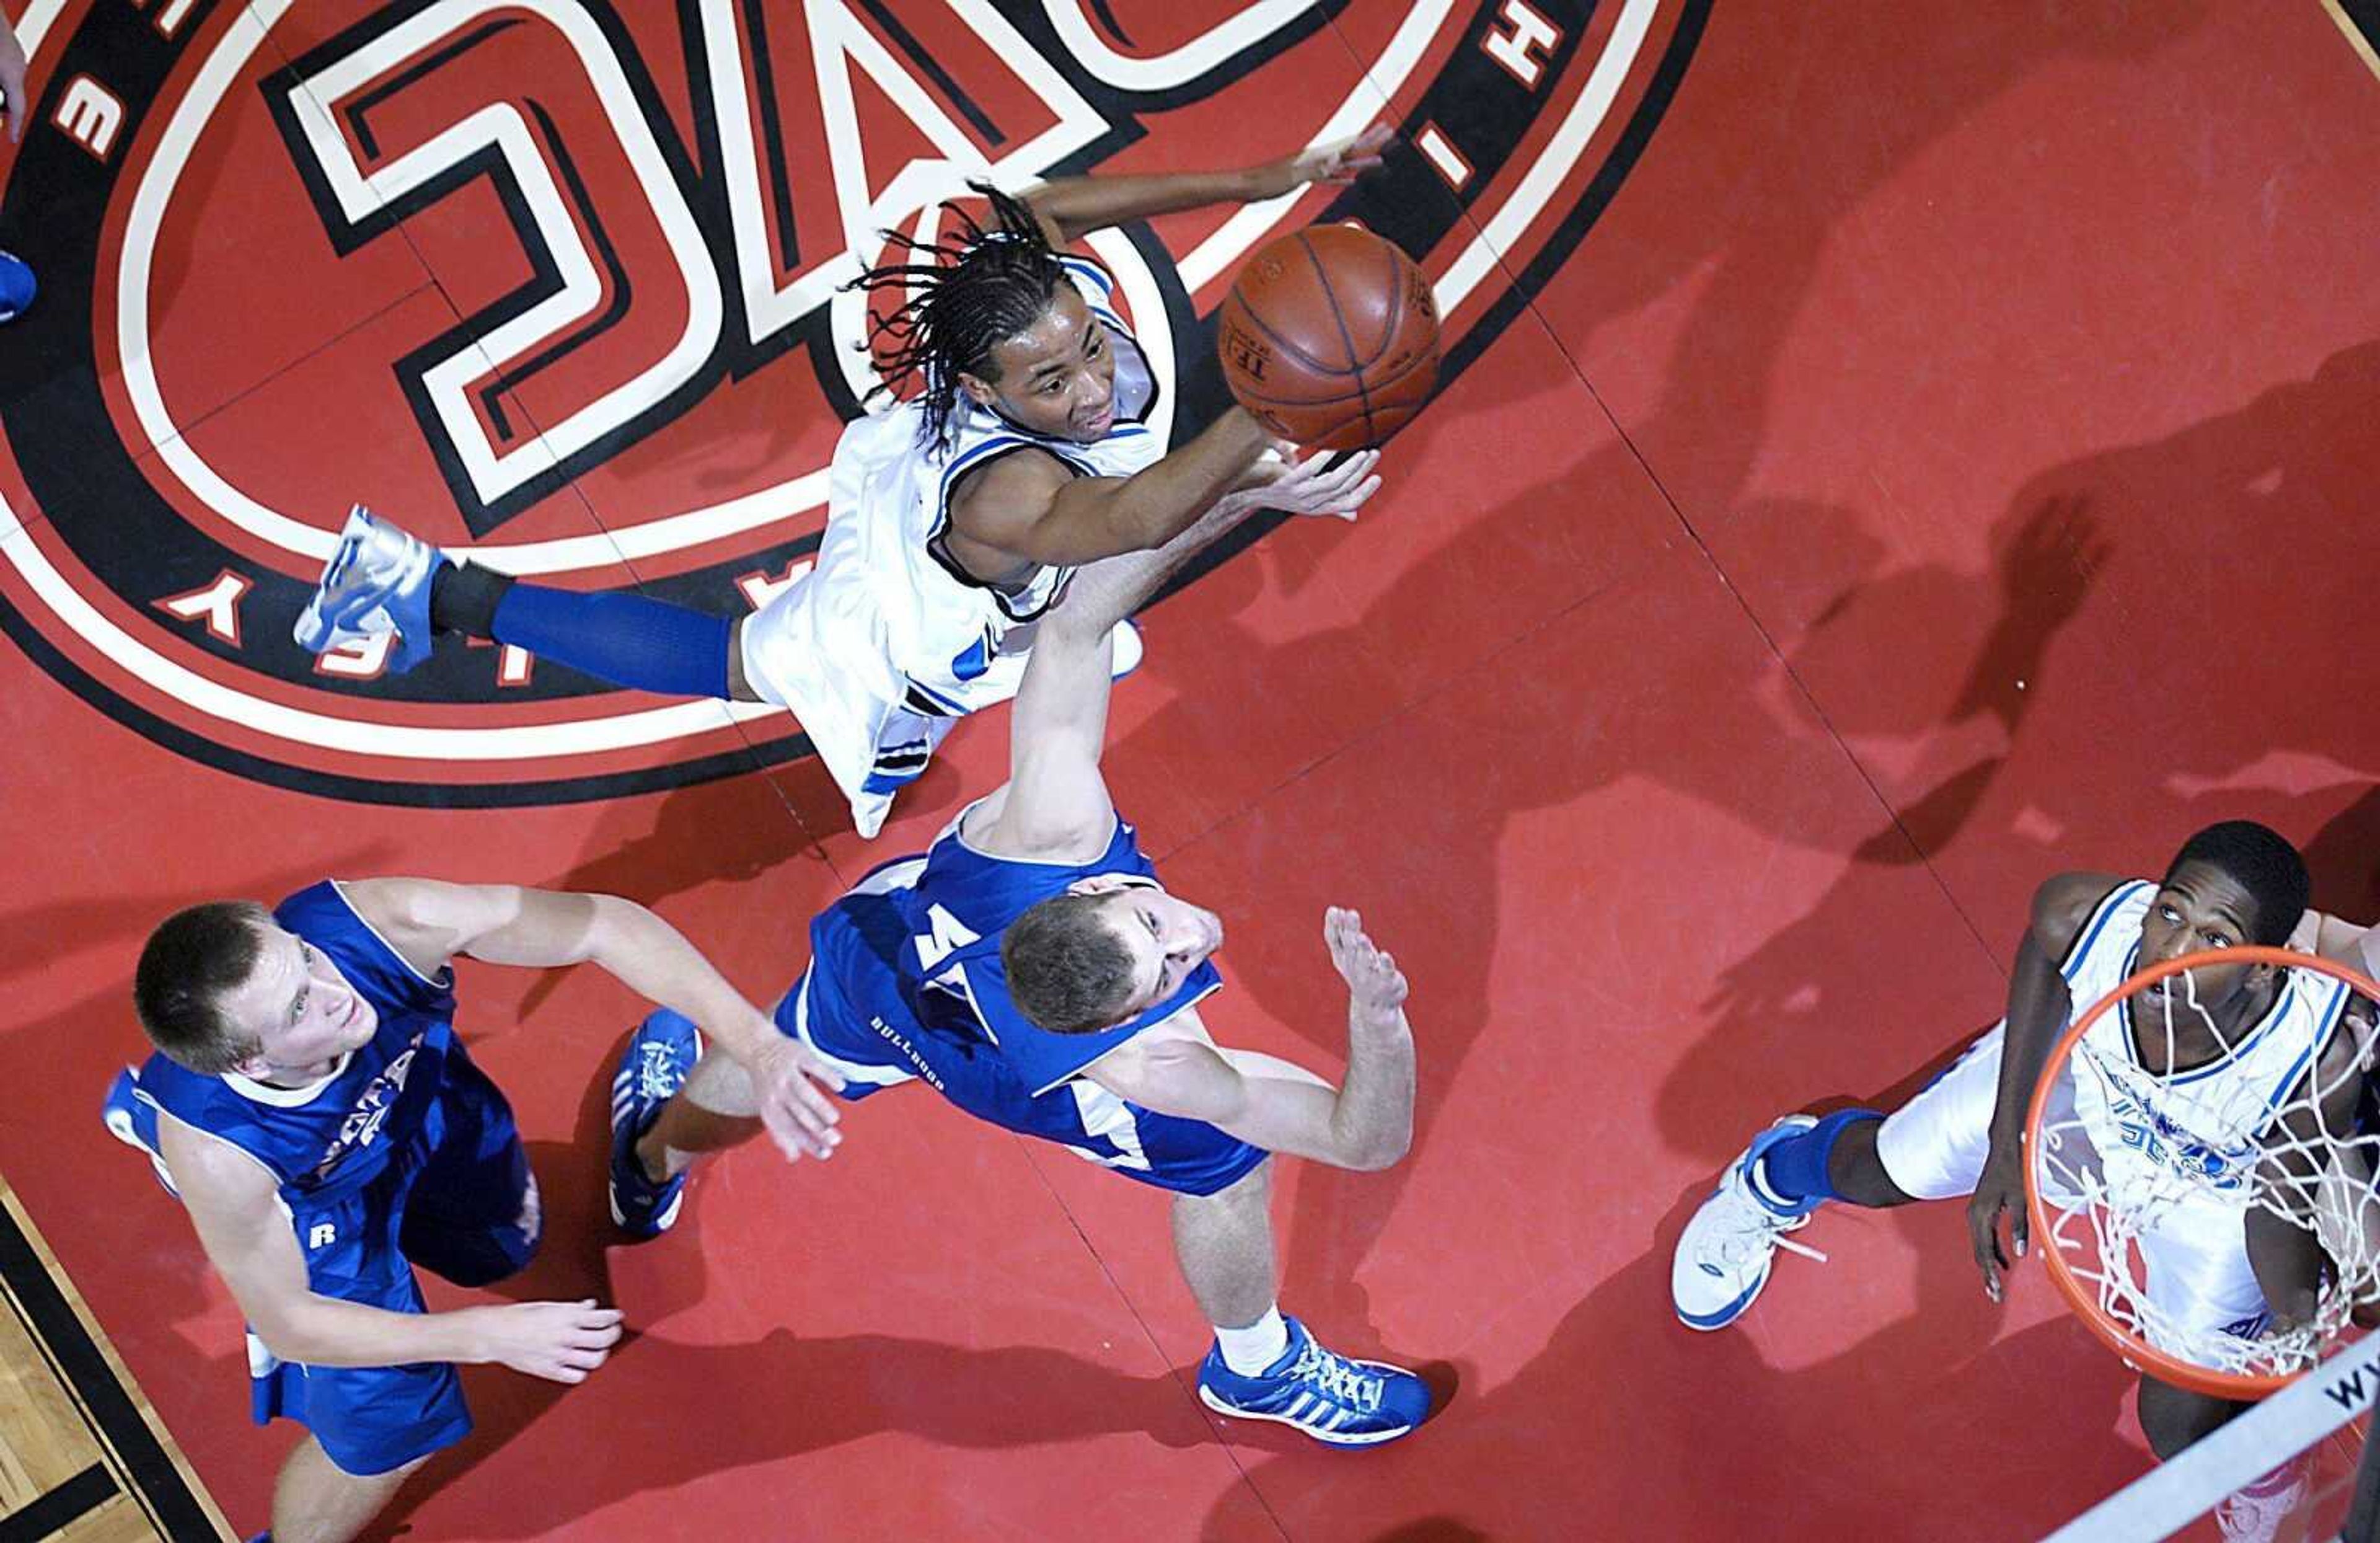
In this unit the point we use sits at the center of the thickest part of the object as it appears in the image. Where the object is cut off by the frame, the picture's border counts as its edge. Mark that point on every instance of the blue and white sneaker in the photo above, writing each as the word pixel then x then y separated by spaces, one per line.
pixel 377 582
pixel 652 1068
pixel 1724 1255
pixel 1332 1398
pixel 16 286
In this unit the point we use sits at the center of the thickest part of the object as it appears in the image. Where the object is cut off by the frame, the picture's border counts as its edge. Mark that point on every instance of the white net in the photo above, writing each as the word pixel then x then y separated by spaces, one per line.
pixel 2174 1134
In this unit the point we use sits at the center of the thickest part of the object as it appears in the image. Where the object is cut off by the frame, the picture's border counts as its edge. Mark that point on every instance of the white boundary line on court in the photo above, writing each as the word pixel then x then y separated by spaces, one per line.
pixel 2161 1503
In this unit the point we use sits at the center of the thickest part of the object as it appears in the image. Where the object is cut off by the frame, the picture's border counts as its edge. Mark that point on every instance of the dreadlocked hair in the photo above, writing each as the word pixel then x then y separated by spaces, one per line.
pixel 965 295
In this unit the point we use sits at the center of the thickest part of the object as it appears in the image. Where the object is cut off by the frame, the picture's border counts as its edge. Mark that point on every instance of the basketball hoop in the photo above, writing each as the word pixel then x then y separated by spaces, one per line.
pixel 2111 1174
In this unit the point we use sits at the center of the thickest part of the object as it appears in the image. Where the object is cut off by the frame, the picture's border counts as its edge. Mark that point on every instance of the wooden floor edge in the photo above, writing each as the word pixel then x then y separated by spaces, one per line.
pixel 148 1461
pixel 2357 38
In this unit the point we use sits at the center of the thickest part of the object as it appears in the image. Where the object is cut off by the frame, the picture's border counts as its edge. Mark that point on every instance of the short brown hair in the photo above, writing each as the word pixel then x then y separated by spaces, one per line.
pixel 1067 969
pixel 193 958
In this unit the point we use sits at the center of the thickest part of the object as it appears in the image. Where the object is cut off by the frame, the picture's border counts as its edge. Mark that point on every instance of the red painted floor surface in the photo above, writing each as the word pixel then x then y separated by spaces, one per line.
pixel 1942 459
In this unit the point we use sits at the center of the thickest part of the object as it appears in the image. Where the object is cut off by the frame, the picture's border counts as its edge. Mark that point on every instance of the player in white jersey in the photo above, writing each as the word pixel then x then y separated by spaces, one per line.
pixel 2200 1091
pixel 954 520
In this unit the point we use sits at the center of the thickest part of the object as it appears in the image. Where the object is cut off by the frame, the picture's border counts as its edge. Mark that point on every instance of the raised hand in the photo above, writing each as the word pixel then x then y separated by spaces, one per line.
pixel 561 1342
pixel 1376 988
pixel 799 1117
pixel 1341 160
pixel 1307 487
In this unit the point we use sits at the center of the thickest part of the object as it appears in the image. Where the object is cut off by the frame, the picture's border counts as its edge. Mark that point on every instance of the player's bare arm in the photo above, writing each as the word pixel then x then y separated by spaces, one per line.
pixel 235 1206
pixel 2039 1008
pixel 1072 207
pixel 1056 804
pixel 1364 1124
pixel 1030 509
pixel 2343 943
pixel 430 922
pixel 2283 1247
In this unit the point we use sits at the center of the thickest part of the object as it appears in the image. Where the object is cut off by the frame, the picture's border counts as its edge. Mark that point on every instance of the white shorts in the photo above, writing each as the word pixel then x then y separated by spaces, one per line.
pixel 1932 1147
pixel 825 650
pixel 822 651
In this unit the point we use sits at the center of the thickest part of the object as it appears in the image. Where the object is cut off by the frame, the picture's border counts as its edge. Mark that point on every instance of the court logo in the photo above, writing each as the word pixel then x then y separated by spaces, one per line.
pixel 559 282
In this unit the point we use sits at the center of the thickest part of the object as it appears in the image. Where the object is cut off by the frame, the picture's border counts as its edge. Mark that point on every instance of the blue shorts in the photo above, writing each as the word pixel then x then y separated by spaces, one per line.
pixel 1165 1151
pixel 463 1204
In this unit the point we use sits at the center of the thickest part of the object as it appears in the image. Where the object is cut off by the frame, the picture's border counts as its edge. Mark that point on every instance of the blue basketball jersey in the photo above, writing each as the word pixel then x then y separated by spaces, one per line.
pixel 907 976
pixel 338 1137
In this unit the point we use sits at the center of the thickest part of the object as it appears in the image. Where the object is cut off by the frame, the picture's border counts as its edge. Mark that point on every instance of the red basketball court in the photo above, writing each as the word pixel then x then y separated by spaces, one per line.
pixel 1888 456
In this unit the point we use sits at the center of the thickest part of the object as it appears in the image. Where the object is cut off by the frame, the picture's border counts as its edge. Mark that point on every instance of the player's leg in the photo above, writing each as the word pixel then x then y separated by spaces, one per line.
pixel 1223 1242
pixel 1264 1365
pixel 1932 1147
pixel 315 1500
pixel 671 1104
pixel 2200 1292
pixel 2173 1417
pixel 716 1110
pixel 383 579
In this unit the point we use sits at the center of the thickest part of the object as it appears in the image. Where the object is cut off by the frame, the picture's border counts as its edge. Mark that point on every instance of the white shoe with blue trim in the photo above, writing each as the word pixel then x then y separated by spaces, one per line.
pixel 1724 1255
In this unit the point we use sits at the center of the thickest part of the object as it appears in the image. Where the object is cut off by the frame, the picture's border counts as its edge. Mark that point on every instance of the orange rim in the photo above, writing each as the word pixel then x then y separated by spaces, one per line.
pixel 2143 1355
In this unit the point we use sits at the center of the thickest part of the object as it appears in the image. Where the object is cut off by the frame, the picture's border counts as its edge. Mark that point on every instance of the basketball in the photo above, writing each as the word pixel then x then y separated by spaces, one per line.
pixel 1330 337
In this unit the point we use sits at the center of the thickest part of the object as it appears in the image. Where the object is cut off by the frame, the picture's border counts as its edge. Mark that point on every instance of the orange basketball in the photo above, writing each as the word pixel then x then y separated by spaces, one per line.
pixel 1331 338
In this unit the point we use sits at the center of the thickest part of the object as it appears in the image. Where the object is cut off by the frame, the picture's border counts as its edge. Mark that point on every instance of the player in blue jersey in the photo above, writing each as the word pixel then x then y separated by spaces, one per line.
pixel 310 1104
pixel 1031 968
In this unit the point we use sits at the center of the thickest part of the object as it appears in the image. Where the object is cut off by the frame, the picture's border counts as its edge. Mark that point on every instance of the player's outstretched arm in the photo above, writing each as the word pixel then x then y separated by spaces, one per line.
pixel 2039 1008
pixel 1056 803
pixel 1364 1124
pixel 1072 207
pixel 232 1203
pixel 1033 508
pixel 430 922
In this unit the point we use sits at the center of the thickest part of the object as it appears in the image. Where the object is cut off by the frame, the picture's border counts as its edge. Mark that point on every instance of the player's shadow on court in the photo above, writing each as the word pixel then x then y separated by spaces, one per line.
pixel 675 1412
pixel 2344 860
pixel 1447 927
pixel 1750 294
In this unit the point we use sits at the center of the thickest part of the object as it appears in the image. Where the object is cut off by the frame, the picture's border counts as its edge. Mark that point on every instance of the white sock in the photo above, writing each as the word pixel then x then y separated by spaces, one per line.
pixel 1249 1351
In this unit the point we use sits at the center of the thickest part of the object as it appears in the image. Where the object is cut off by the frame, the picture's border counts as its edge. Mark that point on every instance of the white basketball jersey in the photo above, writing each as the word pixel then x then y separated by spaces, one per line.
pixel 2203 1123
pixel 887 641
pixel 891 493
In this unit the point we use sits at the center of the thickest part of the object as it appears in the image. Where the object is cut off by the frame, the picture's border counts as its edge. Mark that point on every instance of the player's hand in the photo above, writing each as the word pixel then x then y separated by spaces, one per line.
pixel 799 1117
pixel 1340 160
pixel 1307 487
pixel 2001 1188
pixel 1376 988
pixel 12 81
pixel 561 1342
